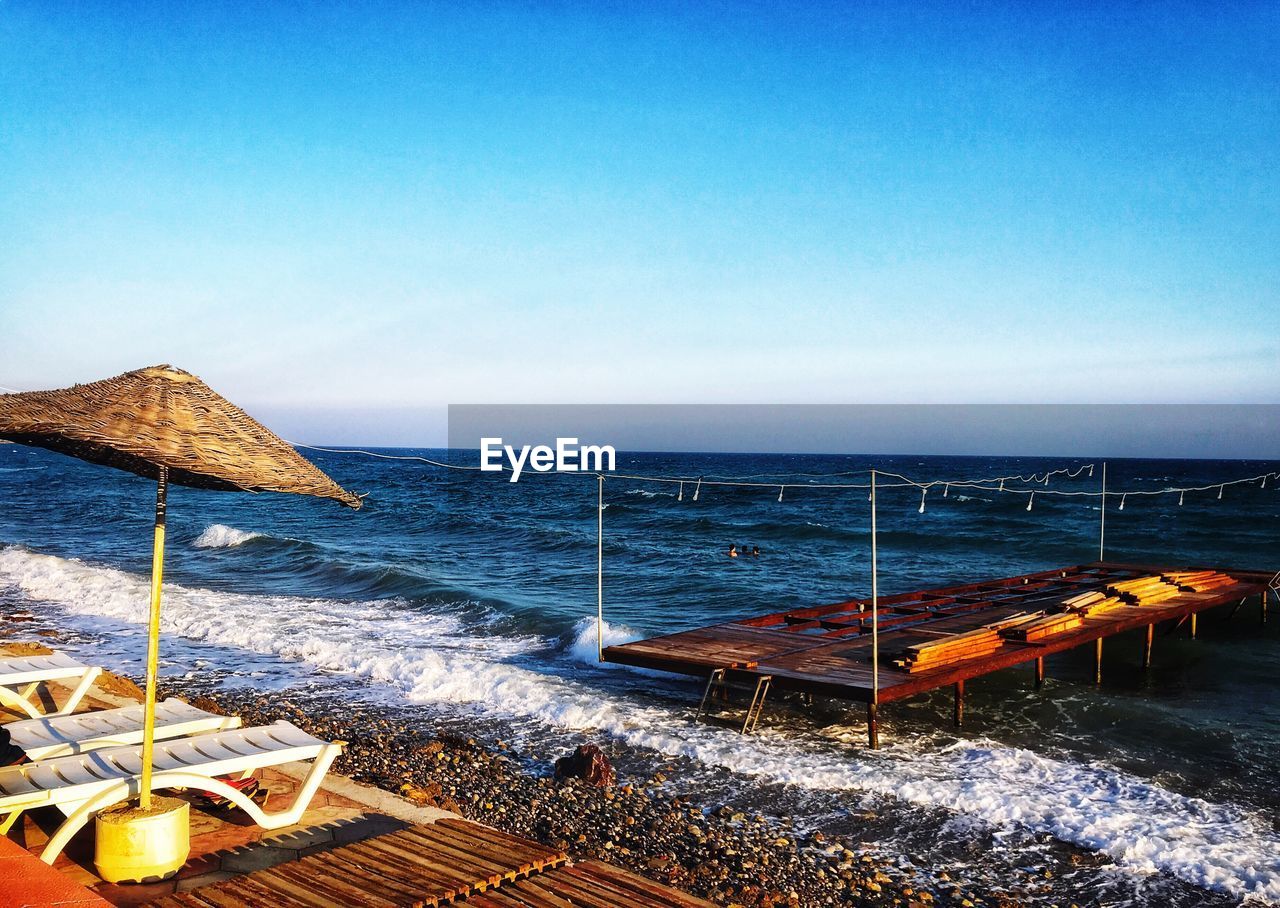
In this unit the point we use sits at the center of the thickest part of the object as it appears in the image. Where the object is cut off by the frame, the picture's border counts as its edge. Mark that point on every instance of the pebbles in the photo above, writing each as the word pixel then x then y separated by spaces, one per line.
pixel 712 850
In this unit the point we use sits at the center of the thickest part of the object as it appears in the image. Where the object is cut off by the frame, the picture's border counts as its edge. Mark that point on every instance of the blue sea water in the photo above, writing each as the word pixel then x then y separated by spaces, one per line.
pixel 459 598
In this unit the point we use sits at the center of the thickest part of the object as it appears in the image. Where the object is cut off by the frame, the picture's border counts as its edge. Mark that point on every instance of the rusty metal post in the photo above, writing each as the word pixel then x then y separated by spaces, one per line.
pixel 873 731
pixel 1097 661
pixel 1039 672
pixel 1146 646
pixel 959 715
pixel 1193 625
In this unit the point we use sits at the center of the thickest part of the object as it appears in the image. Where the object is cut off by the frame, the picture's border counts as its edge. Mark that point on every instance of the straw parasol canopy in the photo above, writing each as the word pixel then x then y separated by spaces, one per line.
pixel 164 417
pixel 169 426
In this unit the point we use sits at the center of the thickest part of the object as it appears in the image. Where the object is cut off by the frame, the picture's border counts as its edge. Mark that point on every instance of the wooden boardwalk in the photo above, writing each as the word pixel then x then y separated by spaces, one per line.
pixel 449 861
pixel 827 649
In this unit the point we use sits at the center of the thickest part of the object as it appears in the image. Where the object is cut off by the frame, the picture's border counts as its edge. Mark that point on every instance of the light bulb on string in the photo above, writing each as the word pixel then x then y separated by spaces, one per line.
pixel 780 488
pixel 1001 489
pixel 1220 488
pixel 923 493
pixel 1181 495
pixel 1090 471
pixel 1031 500
pixel 946 490
pixel 680 497
pixel 1264 483
pixel 1122 498
pixel 697 489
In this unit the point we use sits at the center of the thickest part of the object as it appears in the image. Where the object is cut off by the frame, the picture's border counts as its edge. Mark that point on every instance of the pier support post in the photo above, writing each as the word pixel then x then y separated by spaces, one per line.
pixel 1146 646
pixel 1039 672
pixel 1193 625
pixel 1263 601
pixel 1097 661
pixel 959 713
pixel 873 731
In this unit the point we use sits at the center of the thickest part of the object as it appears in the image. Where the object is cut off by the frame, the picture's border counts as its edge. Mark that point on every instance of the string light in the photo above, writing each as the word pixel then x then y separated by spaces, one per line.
pixel 1181 496
pixel 697 489
pixel 1122 498
pixel 680 497
pixel 1001 489
pixel 1220 488
pixel 946 490
pixel 780 489
pixel 1031 500
pixel 1090 471
pixel 923 493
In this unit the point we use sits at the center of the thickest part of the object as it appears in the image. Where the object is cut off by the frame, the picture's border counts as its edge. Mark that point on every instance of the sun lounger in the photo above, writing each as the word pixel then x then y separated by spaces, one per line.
pixel 83 784
pixel 59 736
pixel 28 673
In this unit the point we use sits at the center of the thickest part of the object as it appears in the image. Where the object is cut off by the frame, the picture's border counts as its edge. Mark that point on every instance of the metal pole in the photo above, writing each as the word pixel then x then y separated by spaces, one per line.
pixel 153 638
pixel 875 602
pixel 1102 531
pixel 600 566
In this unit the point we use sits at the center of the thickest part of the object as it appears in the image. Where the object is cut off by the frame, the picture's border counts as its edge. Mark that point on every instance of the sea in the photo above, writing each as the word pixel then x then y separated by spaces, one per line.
pixel 459 601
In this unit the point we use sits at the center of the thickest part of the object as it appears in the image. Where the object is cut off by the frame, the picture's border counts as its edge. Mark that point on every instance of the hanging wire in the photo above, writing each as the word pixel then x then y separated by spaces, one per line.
pixel 993 484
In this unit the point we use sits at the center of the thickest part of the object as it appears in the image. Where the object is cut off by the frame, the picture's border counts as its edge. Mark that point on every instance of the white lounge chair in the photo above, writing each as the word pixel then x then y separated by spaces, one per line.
pixel 83 784
pixel 28 673
pixel 59 736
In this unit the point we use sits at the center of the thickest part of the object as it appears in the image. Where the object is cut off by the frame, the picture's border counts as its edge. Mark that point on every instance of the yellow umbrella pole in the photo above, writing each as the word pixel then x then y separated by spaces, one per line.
pixel 153 639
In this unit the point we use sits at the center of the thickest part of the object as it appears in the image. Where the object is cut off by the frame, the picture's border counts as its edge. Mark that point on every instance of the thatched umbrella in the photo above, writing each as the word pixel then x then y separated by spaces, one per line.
pixel 167 425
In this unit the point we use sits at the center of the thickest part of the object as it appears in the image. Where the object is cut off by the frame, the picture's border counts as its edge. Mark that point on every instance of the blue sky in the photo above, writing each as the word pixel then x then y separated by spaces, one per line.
pixel 390 208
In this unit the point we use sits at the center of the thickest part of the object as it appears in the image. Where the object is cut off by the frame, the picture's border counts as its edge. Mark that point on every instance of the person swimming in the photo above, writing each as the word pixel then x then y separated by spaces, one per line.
pixel 733 551
pixel 755 551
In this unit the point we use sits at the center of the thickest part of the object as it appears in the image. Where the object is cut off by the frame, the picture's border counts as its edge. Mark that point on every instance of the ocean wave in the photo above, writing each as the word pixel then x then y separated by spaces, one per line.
pixel 221 536
pixel 435 659
pixel 646 493
pixel 583 647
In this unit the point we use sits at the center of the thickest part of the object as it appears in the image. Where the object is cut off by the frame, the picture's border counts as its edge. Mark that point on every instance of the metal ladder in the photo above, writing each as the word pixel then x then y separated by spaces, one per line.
pixel 716 683
pixel 757 704
pixel 716 680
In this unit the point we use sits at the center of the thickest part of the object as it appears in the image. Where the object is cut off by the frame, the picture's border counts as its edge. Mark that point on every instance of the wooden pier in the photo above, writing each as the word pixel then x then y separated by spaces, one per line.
pixel 943 637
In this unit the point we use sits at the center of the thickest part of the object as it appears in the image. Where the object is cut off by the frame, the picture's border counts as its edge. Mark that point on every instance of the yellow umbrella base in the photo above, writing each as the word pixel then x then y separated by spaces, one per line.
pixel 135 845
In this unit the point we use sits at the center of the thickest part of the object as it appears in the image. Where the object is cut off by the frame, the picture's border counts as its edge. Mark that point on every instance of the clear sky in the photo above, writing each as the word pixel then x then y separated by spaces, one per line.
pixel 326 208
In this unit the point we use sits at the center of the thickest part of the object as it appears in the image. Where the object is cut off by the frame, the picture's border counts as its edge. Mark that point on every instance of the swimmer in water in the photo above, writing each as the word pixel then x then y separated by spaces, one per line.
pixel 755 551
pixel 733 551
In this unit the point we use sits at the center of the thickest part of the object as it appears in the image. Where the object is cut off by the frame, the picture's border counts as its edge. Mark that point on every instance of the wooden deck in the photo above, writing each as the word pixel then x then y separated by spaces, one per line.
pixel 449 861
pixel 827 649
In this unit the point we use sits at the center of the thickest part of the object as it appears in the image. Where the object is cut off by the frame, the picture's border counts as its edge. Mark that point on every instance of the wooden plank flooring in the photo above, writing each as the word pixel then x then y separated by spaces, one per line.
pixel 450 861
pixel 827 649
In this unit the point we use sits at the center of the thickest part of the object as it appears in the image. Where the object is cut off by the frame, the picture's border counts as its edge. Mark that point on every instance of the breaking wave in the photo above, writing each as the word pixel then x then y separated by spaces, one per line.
pixel 220 536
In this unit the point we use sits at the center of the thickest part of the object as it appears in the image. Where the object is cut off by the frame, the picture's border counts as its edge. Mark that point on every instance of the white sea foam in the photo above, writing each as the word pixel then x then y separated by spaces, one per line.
pixel 649 493
pixel 221 536
pixel 583 648
pixel 432 659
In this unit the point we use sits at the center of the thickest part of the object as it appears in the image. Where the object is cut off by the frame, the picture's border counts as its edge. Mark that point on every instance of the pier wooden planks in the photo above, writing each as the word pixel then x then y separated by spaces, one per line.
pixel 933 638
